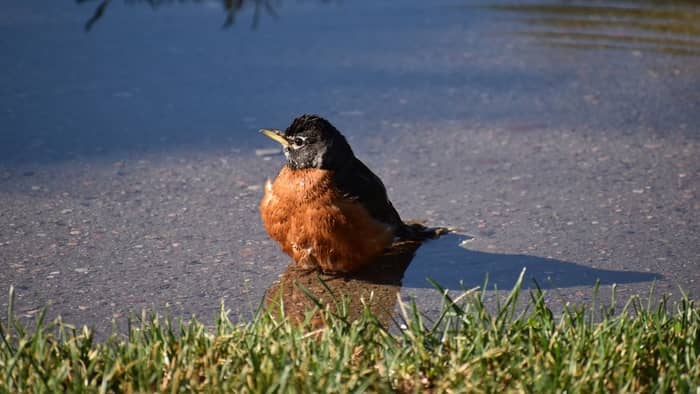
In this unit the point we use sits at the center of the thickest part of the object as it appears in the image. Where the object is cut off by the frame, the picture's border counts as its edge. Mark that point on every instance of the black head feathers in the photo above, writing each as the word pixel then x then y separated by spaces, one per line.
pixel 313 142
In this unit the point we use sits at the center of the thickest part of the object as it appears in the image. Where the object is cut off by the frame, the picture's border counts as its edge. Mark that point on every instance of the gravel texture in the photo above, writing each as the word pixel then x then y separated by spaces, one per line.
pixel 128 181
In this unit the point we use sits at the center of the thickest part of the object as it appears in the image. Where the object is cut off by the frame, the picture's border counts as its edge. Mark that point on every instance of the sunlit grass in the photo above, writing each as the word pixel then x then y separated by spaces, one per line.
pixel 642 348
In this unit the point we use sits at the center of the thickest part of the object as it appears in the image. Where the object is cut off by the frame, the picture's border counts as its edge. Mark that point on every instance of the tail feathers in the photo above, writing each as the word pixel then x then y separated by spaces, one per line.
pixel 415 231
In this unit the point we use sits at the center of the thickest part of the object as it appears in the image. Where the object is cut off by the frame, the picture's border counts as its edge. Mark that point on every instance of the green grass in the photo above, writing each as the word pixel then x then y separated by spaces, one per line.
pixel 468 348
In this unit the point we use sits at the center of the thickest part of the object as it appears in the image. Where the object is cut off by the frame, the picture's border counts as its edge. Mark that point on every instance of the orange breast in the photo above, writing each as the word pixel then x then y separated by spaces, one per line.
pixel 316 226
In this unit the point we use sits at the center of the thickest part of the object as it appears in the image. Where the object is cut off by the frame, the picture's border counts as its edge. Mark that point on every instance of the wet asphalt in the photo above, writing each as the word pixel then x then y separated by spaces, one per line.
pixel 576 164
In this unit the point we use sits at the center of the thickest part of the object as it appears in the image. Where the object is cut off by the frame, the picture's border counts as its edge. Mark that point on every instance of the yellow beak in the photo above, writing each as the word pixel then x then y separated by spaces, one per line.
pixel 275 135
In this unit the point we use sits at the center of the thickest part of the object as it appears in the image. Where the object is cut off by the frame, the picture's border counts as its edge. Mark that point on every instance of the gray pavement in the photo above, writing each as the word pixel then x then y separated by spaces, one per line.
pixel 577 163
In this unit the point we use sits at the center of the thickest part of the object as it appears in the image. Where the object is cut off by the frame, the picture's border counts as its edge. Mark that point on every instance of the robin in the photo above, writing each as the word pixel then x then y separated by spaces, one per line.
pixel 326 209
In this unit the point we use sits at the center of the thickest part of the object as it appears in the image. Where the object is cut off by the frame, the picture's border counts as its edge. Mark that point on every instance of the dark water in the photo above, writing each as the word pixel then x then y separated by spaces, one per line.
pixel 90 77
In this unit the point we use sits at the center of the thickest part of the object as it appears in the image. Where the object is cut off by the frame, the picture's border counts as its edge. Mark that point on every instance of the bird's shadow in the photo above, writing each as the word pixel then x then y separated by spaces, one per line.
pixel 447 261
pixel 450 263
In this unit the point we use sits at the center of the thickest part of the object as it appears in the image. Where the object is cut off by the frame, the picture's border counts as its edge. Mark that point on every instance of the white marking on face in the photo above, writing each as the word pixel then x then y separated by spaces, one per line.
pixel 298 142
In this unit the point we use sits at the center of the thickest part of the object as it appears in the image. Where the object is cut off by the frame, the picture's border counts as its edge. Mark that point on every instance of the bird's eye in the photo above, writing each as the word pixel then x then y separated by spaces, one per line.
pixel 298 141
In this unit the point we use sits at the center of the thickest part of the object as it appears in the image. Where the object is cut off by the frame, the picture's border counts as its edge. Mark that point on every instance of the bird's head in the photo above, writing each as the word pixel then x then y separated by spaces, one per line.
pixel 312 142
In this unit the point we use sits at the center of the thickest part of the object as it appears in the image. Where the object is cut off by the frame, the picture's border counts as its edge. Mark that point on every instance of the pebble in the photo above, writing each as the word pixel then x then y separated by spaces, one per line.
pixel 465 242
pixel 268 152
pixel 31 312
pixel 591 99
pixel 351 113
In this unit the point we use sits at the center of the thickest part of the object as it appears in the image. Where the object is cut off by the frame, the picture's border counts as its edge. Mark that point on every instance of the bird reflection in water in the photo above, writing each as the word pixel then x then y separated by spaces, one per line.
pixel 376 286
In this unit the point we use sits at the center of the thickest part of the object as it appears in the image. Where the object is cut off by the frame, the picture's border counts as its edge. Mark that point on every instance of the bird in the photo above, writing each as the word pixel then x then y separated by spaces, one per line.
pixel 326 208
